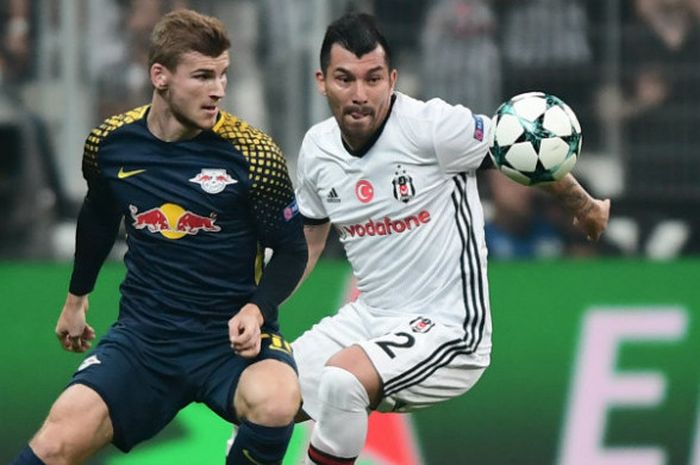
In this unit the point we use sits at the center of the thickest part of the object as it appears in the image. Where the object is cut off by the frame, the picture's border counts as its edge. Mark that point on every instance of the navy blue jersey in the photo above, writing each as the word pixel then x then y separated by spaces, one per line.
pixel 198 215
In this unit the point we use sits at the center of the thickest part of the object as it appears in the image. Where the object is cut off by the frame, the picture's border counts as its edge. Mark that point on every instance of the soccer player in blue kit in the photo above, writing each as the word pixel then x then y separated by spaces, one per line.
pixel 202 194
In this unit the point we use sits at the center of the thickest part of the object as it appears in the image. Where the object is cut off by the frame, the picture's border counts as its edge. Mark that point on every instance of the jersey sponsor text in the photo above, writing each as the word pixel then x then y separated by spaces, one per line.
pixel 387 226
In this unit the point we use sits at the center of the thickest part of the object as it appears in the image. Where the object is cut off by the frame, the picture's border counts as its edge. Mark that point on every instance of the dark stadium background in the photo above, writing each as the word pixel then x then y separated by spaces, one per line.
pixel 66 64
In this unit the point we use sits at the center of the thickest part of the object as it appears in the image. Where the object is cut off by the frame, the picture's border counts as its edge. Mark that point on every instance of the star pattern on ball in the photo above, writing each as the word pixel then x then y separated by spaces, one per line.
pixel 536 138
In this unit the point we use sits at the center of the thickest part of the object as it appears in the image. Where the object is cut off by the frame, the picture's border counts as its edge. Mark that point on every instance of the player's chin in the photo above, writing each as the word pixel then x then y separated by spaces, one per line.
pixel 207 118
pixel 357 129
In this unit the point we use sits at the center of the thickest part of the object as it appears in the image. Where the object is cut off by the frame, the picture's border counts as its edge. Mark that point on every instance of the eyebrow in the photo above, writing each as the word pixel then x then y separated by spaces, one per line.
pixel 207 70
pixel 347 71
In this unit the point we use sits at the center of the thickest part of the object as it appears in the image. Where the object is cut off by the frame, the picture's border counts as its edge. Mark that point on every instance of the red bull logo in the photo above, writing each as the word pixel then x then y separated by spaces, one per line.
pixel 172 221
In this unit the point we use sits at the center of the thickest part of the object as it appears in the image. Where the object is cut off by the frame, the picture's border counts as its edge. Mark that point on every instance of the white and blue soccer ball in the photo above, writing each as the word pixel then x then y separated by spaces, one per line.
pixel 535 138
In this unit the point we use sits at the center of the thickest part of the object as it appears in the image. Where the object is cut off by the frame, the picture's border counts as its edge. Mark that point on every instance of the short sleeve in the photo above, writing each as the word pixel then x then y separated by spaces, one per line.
pixel 272 195
pixel 91 170
pixel 460 137
pixel 310 204
pixel 98 189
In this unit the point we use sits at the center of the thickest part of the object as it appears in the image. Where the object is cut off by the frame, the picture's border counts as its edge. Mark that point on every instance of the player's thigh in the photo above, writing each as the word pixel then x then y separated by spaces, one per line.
pixel 314 348
pixel 422 362
pixel 78 425
pixel 141 395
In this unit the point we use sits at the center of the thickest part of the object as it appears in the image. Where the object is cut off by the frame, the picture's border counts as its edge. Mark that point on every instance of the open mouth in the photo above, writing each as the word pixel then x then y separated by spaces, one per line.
pixel 358 112
pixel 358 115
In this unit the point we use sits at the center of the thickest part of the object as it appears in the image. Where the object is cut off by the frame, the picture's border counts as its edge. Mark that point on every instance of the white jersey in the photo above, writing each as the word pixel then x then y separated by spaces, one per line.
pixel 408 211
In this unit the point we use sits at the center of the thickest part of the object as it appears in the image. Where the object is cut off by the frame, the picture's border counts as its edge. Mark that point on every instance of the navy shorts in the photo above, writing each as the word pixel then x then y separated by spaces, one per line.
pixel 146 383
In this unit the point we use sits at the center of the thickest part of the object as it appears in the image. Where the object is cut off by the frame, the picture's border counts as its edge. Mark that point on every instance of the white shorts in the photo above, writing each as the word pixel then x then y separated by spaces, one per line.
pixel 420 362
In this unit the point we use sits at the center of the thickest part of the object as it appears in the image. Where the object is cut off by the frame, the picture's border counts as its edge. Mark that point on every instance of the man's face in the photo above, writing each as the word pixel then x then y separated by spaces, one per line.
pixel 195 89
pixel 358 91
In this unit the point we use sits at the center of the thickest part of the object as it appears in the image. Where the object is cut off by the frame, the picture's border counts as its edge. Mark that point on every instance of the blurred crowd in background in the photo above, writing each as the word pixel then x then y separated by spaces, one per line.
pixel 628 68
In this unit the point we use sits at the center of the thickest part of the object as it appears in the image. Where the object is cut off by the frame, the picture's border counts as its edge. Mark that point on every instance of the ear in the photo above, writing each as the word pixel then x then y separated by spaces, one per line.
pixel 321 83
pixel 160 76
pixel 393 76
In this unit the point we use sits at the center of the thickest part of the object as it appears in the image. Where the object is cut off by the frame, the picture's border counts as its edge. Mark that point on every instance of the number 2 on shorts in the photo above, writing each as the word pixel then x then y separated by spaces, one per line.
pixel 407 342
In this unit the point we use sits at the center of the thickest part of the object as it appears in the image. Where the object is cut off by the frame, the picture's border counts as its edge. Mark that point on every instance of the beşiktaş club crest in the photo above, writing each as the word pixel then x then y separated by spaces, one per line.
pixel 213 180
pixel 421 325
pixel 403 185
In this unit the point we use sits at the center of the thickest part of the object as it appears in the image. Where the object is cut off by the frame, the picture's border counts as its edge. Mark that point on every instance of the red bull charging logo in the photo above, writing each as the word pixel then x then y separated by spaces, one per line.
pixel 172 221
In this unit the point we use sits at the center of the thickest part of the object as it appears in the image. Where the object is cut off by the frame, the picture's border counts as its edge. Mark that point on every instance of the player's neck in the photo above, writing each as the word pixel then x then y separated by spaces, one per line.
pixel 358 146
pixel 163 124
pixel 355 144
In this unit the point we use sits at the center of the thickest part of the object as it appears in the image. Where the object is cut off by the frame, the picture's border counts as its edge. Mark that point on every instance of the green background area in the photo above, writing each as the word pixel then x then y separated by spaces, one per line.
pixel 514 415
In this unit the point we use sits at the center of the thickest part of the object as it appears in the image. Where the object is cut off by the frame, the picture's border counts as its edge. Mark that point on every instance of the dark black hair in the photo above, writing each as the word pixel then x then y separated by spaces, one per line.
pixel 355 32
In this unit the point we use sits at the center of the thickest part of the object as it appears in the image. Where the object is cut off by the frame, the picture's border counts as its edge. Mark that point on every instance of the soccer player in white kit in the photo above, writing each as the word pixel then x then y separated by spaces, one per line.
pixel 396 177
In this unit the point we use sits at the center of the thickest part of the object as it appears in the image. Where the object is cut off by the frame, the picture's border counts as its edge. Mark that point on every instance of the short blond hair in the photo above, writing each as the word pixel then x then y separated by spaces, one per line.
pixel 183 31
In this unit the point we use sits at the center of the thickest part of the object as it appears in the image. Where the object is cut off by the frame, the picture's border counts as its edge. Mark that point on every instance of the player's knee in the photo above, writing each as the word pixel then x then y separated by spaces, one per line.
pixel 342 389
pixel 78 425
pixel 268 394
pixel 53 443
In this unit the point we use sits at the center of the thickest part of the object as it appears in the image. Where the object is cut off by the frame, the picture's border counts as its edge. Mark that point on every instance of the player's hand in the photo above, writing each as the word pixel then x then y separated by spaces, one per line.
pixel 594 219
pixel 72 330
pixel 244 331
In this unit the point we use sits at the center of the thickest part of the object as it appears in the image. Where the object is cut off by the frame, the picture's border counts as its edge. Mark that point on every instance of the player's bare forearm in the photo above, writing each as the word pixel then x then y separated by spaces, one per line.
pixel 316 237
pixel 72 330
pixel 571 195
pixel 590 214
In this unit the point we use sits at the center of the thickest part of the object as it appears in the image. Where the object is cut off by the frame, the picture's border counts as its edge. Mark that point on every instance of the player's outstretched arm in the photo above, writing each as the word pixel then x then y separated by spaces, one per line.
pixel 590 214
pixel 72 330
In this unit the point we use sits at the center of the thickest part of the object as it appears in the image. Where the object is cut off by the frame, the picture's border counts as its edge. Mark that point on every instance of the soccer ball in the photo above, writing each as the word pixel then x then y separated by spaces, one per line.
pixel 535 138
